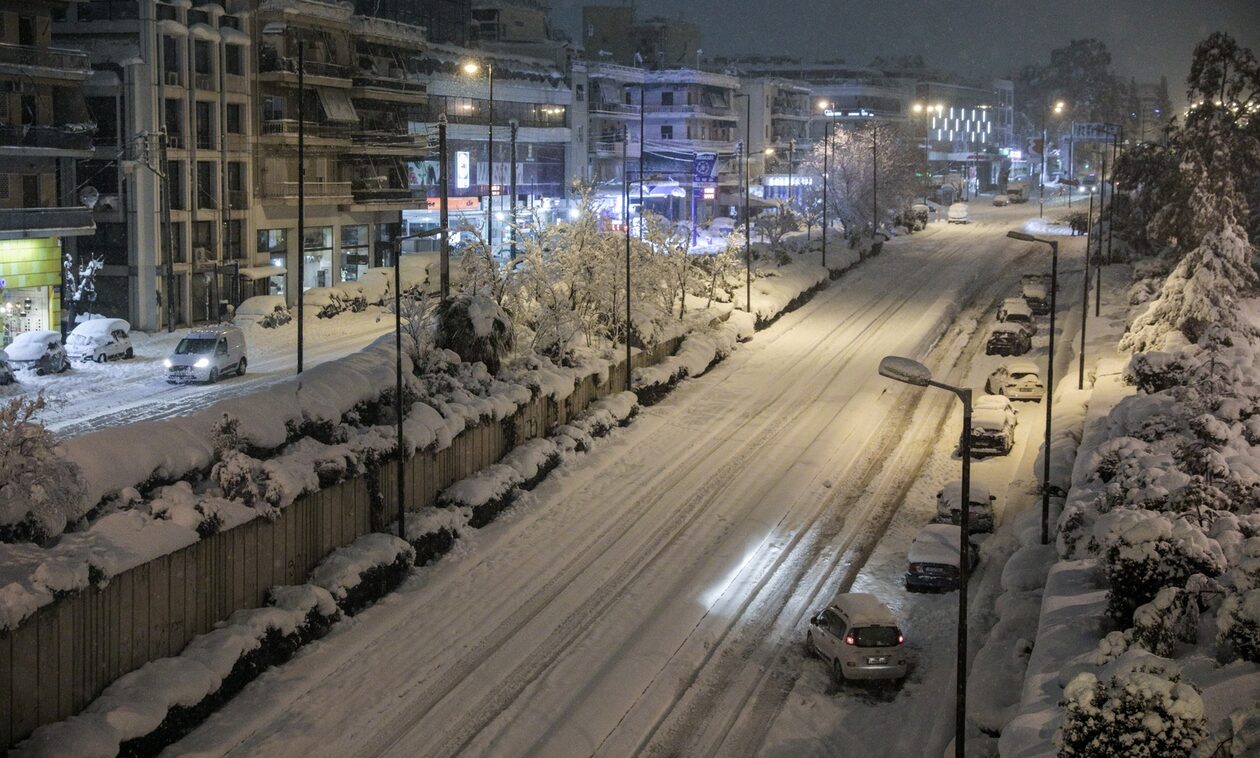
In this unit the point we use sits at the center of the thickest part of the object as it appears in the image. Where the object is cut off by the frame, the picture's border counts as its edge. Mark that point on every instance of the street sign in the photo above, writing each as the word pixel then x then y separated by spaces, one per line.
pixel 1093 131
pixel 704 167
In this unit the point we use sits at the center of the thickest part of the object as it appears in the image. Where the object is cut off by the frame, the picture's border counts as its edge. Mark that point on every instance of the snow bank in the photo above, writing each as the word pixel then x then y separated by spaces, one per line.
pixel 366 569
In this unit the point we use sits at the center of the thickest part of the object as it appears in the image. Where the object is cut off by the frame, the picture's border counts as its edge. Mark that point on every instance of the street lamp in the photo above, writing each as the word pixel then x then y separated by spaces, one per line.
pixel 747 151
pixel 825 107
pixel 471 68
pixel 912 372
pixel 401 491
pixel 1054 289
pixel 625 196
pixel 1059 107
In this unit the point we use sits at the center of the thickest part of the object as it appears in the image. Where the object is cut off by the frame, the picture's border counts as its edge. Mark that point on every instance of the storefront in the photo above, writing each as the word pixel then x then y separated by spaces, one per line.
pixel 30 285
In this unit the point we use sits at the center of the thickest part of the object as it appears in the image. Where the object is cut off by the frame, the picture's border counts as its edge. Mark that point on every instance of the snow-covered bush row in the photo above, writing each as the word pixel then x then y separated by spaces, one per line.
pixel 147 709
pixel 358 574
pixel 781 290
pixel 699 351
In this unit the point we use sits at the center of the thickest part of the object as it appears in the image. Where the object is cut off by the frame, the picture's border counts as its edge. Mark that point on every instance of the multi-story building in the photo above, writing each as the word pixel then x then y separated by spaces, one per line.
pixel 851 93
pixel 612 34
pixel 171 91
pixel 44 127
pixel 967 129
pixel 1150 111
pixel 781 112
pixel 447 21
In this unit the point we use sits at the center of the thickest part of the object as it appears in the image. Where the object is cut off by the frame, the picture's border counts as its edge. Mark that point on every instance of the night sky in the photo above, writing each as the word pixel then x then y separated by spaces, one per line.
pixel 1147 38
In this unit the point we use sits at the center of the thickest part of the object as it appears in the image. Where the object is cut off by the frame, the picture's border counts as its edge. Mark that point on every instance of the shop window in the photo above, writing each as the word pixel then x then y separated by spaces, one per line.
pixel 317 248
pixel 207 187
pixel 355 251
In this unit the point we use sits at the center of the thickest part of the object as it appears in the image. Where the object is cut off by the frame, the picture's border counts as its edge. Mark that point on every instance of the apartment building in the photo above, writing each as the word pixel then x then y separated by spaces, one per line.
pixel 170 90
pixel 780 117
pixel 44 128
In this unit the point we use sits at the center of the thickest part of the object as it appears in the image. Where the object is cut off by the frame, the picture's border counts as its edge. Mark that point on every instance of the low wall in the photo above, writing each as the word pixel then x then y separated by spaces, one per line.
pixel 61 658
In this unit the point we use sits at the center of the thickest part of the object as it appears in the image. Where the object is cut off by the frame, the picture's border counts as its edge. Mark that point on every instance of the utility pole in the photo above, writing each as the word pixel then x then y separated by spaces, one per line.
pixel 301 241
pixel 164 142
pixel 642 150
pixel 512 204
pixel 625 194
pixel 444 269
pixel 1089 239
pixel 874 178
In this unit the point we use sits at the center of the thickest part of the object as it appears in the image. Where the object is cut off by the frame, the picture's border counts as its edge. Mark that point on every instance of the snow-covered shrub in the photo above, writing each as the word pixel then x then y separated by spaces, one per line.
pixel 1137 712
pixel 364 571
pixel 533 460
pixel 1238 623
pixel 238 475
pixel 39 490
pixel 1173 616
pixel 1143 552
pixel 486 493
pixel 432 532
pixel 476 328
pixel 1155 371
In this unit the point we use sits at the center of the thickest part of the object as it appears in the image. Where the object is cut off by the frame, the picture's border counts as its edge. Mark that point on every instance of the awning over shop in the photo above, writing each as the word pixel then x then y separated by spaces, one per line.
pixel 254 273
pixel 337 105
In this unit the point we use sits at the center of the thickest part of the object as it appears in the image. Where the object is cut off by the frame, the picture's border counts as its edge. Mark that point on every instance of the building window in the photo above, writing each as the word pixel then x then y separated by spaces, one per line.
pixel 233 243
pixel 317 247
pixel 175 122
pixel 205 125
pixel 274 243
pixel 203 241
pixel 235 118
pixel 580 93
pixel 207 198
pixel 355 251
pixel 667 131
pixel 234 60
pixel 175 184
pixel 667 98
pixel 237 197
pixel 170 61
pixel 4 186
pixel 201 57
pixel 273 107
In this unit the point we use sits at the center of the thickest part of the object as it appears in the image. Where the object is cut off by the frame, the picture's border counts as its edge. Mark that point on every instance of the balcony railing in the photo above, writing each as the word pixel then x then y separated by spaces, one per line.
pixel 205 82
pixel 25 55
pixel 268 62
pixel 366 194
pixel 289 126
pixel 33 221
pixel 51 137
pixel 707 110
pixel 614 109
pixel 313 189
pixel 391 137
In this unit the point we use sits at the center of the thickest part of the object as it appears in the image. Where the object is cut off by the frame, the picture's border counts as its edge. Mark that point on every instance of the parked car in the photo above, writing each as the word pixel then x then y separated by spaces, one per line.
pixel 949 506
pixel 6 373
pixel 205 354
pixel 100 340
pixel 1037 297
pixel 921 213
pixel 1017 380
pixel 1014 310
pixel 1017 192
pixel 859 638
pixel 933 559
pixel 957 214
pixel 1008 339
pixel 40 351
pixel 992 431
pixel 1001 201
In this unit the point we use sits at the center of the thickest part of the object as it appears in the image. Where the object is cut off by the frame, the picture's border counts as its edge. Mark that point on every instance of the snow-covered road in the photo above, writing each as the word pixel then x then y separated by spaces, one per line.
pixel 93 396
pixel 651 598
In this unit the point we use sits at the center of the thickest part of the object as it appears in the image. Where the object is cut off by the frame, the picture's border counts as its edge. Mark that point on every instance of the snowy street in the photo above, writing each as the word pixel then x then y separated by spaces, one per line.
pixel 654 598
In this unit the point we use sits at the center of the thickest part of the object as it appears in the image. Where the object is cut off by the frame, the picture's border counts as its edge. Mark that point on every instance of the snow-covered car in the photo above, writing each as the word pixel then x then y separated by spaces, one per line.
pixel 933 559
pixel 39 351
pixel 268 311
pixel 206 354
pixel 1014 310
pixel 719 227
pixel 1036 294
pixel 1008 339
pixel 957 214
pixel 992 431
pixel 100 340
pixel 1017 380
pixel 859 638
pixel 949 506
pixel 1001 201
pixel 6 373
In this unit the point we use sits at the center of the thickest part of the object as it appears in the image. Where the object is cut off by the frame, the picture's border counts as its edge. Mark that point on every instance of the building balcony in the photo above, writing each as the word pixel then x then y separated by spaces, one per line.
pixel 288 127
pixel 44 62
pixel 26 223
pixel 275 67
pixel 694 109
pixel 55 141
pixel 391 139
pixel 314 191
pixel 206 82
pixel 615 109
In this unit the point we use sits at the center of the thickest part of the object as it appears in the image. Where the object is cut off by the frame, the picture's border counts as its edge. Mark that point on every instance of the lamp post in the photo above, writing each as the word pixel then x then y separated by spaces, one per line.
pixel 747 209
pixel 401 491
pixel 301 209
pixel 472 67
pixel 642 148
pixel 444 266
pixel 1089 239
pixel 625 196
pixel 825 107
pixel 791 193
pixel 1045 148
pixel 914 373
pixel 1054 289
pixel 874 178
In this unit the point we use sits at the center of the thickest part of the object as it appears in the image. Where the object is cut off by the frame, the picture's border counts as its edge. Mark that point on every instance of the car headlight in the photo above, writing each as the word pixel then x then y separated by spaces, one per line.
pixel 166 362
pixel 202 362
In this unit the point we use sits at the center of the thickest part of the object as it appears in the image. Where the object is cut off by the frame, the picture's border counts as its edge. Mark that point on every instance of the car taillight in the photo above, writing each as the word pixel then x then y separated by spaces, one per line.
pixel 914 567
pixel 850 640
pixel 901 638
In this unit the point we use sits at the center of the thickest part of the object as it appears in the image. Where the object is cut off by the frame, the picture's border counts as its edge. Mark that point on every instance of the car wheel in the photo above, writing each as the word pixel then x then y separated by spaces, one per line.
pixel 810 650
pixel 837 672
pixel 240 368
pixel 214 376
pixel 130 353
pixel 100 358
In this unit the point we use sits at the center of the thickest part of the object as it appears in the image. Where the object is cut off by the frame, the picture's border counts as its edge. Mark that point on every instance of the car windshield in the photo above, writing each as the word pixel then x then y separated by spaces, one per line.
pixel 1023 375
pixel 194 346
pixel 876 636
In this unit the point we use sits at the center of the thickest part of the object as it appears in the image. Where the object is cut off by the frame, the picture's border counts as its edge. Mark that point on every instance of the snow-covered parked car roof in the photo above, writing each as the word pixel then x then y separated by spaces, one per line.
pixel 1005 327
pixel 99 327
pixel 260 305
pixel 952 493
pixel 1017 305
pixel 1035 288
pixel 936 543
pixel 864 609
pixel 995 402
pixel 1023 367
pixel 989 418
pixel 31 346
pixel 377 283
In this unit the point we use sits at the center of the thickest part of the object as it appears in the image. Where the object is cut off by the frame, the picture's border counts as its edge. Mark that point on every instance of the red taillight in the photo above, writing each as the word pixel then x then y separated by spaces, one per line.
pixel 850 640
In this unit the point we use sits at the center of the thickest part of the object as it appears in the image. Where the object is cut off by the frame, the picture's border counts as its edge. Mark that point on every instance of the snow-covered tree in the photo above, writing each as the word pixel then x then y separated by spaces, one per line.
pixel 39 490
pixel 1238 623
pixel 476 328
pixel 773 227
pixel 855 149
pixel 1141 711
pixel 80 282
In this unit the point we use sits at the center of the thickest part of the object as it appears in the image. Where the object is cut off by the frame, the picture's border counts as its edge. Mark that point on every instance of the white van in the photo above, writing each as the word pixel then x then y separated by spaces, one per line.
pixel 957 214
pixel 205 354
pixel 858 636
pixel 100 340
